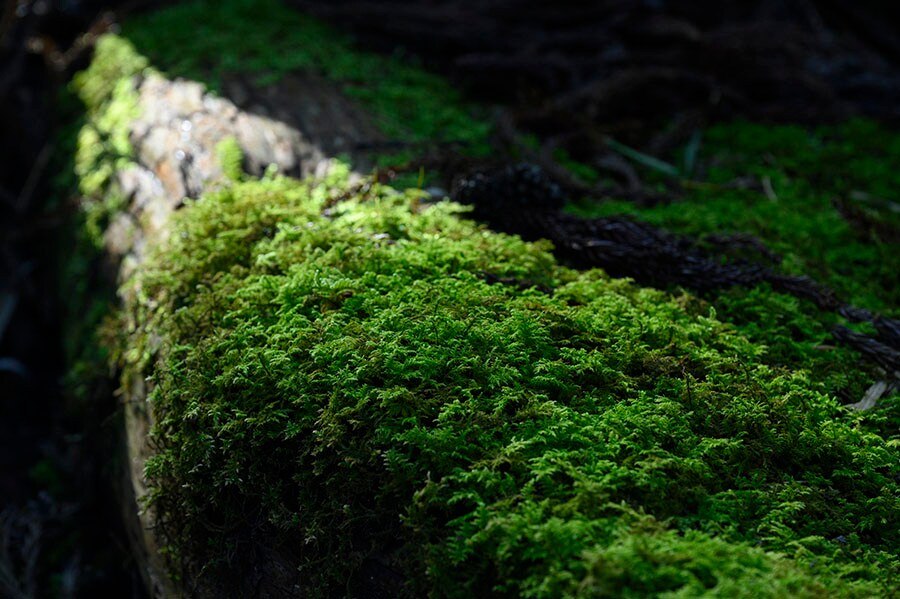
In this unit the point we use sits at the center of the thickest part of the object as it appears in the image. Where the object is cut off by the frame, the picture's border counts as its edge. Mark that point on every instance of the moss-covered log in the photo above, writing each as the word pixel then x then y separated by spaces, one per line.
pixel 350 389
pixel 346 382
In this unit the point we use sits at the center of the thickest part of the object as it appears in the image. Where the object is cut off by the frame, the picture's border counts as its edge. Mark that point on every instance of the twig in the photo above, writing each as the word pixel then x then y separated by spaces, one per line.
pixel 872 395
pixel 641 158
pixel 513 139
pixel 619 166
pixel 884 355
pixel 8 303
pixel 768 189
pixel 690 152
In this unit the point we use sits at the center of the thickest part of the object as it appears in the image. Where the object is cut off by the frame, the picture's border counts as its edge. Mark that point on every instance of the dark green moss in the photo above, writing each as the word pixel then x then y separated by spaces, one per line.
pixel 208 41
pixel 833 211
pixel 86 297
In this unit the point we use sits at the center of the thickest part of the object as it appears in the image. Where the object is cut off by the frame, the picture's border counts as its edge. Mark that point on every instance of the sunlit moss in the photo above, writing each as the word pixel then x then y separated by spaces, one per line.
pixel 349 378
pixel 103 148
pixel 231 157
pixel 114 60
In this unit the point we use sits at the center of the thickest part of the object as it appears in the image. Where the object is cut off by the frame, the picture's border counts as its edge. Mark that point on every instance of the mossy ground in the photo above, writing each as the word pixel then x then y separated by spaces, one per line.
pixel 833 212
pixel 208 41
pixel 347 382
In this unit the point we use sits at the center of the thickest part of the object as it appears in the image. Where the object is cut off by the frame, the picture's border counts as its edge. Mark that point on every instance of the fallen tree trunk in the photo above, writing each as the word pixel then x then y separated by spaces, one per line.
pixel 336 389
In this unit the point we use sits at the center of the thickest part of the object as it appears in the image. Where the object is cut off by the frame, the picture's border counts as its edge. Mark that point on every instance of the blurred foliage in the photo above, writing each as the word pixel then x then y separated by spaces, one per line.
pixel 833 211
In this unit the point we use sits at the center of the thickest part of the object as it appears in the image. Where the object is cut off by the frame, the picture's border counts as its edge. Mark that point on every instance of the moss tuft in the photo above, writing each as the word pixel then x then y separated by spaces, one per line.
pixel 231 158
pixel 114 59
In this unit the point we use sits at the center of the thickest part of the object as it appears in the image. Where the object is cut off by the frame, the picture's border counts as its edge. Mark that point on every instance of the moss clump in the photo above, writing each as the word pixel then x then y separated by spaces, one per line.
pixel 344 381
pixel 341 380
pixel 115 59
pixel 231 157
pixel 96 108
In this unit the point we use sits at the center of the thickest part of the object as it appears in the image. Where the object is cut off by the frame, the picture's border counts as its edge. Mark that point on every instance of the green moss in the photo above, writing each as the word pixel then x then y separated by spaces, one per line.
pixel 108 92
pixel 346 381
pixel 209 41
pixel 86 296
pixel 819 178
pixel 114 60
pixel 831 213
pixel 231 157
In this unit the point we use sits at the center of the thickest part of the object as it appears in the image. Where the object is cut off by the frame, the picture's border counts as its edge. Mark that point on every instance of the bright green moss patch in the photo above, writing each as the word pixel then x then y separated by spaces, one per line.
pixel 231 157
pixel 346 382
pixel 340 378
pixel 210 40
pixel 103 148
pixel 114 59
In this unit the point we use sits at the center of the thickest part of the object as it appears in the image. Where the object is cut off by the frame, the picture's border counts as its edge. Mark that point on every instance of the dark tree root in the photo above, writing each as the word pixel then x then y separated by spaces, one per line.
pixel 874 349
